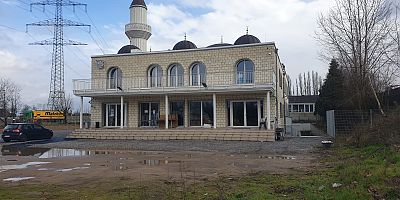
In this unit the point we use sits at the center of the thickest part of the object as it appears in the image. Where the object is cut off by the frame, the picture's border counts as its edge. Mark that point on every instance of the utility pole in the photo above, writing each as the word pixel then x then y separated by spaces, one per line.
pixel 57 93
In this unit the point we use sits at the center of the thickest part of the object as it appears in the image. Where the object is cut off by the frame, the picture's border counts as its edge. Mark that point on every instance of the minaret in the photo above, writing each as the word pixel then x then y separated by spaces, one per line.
pixel 138 31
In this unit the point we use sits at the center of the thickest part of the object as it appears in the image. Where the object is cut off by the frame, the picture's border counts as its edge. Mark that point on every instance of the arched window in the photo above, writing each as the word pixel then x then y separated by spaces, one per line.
pixel 245 72
pixel 114 78
pixel 155 76
pixel 197 74
pixel 175 73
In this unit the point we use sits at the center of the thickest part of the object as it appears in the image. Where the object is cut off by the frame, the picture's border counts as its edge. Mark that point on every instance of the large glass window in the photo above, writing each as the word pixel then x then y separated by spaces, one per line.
pixel 114 78
pixel 113 115
pixel 175 76
pixel 149 114
pixel 198 74
pixel 245 113
pixel 245 72
pixel 201 113
pixel 155 76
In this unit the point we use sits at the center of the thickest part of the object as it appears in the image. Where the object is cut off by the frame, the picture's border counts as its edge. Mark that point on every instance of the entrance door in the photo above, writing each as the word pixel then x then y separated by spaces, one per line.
pixel 245 113
pixel 113 115
pixel 149 114
pixel 178 108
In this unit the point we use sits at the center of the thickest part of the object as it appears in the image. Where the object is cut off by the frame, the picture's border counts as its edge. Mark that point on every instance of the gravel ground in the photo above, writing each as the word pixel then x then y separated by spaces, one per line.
pixel 289 146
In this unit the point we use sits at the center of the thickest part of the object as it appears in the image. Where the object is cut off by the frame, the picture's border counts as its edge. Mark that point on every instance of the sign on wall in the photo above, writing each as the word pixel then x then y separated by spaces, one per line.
pixel 48 115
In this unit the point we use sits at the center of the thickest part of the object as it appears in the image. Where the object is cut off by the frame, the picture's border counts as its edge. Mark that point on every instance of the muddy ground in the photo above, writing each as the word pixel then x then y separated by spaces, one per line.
pixel 43 162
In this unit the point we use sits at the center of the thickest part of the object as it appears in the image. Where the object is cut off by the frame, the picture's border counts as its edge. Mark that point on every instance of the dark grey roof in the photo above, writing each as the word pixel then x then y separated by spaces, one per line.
pixel 220 45
pixel 247 39
pixel 138 3
pixel 185 44
pixel 128 49
pixel 303 99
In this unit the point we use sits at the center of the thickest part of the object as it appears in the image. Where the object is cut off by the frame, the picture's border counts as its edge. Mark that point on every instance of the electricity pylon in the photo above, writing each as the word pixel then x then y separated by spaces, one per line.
pixel 57 93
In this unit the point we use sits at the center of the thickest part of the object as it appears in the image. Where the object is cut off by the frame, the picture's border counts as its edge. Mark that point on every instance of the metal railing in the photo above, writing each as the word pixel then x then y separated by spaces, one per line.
pixel 199 81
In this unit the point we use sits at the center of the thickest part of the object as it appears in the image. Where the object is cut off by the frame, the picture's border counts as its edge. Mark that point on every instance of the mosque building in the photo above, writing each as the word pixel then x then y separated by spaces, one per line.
pixel 222 86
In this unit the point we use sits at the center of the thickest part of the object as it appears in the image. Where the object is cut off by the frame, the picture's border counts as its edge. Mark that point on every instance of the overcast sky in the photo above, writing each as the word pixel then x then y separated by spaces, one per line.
pixel 289 23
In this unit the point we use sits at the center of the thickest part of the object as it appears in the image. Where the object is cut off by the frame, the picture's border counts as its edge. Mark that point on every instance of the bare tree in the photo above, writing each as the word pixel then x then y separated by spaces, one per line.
pixel 10 99
pixel 358 33
pixel 67 107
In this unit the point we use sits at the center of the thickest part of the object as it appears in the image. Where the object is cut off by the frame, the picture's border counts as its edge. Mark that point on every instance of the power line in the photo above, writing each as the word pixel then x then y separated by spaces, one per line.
pixel 57 93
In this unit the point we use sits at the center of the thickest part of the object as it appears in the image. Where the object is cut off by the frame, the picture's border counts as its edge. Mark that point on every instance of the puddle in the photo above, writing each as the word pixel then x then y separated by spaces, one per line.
pixel 72 169
pixel 17 179
pixel 278 157
pixel 22 166
pixel 45 153
pixel 159 162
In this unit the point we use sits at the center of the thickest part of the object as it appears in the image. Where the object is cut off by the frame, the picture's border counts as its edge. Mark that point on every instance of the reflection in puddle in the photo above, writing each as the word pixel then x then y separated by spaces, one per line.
pixel 158 162
pixel 16 179
pixel 45 153
pixel 279 157
pixel 22 166
pixel 72 169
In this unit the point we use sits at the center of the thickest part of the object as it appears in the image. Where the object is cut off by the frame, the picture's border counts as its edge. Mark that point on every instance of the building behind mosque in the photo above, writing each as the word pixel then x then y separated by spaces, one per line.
pixel 222 86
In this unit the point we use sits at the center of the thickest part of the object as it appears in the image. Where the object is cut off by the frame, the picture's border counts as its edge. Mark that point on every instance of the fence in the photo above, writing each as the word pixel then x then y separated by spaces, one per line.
pixel 342 122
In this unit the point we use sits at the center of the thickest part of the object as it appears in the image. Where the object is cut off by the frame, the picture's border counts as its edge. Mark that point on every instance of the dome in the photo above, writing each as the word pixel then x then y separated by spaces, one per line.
pixel 140 3
pixel 185 44
pixel 247 39
pixel 220 45
pixel 128 49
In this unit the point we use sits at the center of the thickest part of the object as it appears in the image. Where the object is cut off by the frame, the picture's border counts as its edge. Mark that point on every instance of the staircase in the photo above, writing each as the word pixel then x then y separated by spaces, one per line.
pixel 175 134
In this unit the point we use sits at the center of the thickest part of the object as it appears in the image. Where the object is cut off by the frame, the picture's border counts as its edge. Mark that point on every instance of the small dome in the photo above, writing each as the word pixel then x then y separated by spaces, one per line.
pixel 128 49
pixel 220 45
pixel 140 3
pixel 247 39
pixel 185 44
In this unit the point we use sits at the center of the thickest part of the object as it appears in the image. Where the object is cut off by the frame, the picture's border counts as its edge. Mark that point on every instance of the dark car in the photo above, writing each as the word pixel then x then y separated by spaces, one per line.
pixel 25 131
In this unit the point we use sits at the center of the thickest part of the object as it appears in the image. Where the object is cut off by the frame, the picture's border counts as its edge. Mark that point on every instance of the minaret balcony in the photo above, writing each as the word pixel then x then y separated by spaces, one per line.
pixel 136 30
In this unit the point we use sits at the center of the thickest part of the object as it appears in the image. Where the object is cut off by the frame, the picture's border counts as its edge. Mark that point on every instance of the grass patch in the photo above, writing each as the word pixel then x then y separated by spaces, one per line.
pixel 371 172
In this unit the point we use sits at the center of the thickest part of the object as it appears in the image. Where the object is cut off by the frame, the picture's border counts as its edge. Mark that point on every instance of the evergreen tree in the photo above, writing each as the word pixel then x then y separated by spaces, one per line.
pixel 331 95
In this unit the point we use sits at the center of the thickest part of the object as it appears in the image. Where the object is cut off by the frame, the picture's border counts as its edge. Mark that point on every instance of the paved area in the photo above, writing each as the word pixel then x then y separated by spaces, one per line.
pixel 289 146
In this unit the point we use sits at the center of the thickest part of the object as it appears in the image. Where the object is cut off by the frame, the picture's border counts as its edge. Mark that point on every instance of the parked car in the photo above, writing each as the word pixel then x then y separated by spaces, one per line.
pixel 25 131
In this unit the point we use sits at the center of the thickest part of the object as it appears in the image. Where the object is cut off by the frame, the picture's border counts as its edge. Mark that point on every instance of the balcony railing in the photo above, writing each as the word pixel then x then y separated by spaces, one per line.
pixel 176 83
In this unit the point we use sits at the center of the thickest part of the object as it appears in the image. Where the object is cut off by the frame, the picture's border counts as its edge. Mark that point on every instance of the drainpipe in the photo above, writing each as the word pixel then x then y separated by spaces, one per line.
pixel 276 89
pixel 284 100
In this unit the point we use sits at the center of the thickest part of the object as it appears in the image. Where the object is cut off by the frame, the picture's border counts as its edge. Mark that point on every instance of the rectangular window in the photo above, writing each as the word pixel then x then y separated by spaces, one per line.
pixel 312 108
pixel 201 113
pixel 307 108
pixel 301 108
pixel 295 108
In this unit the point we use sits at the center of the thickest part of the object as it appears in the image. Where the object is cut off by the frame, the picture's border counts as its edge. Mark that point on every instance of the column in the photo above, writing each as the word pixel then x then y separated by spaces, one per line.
pixel 122 112
pixel 81 115
pixel 269 109
pixel 215 110
pixel 166 111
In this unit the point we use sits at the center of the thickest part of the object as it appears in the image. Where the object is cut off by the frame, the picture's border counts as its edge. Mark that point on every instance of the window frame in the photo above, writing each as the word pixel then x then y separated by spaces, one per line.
pixel 177 79
pixel 155 81
pixel 244 78
pixel 114 78
pixel 200 79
